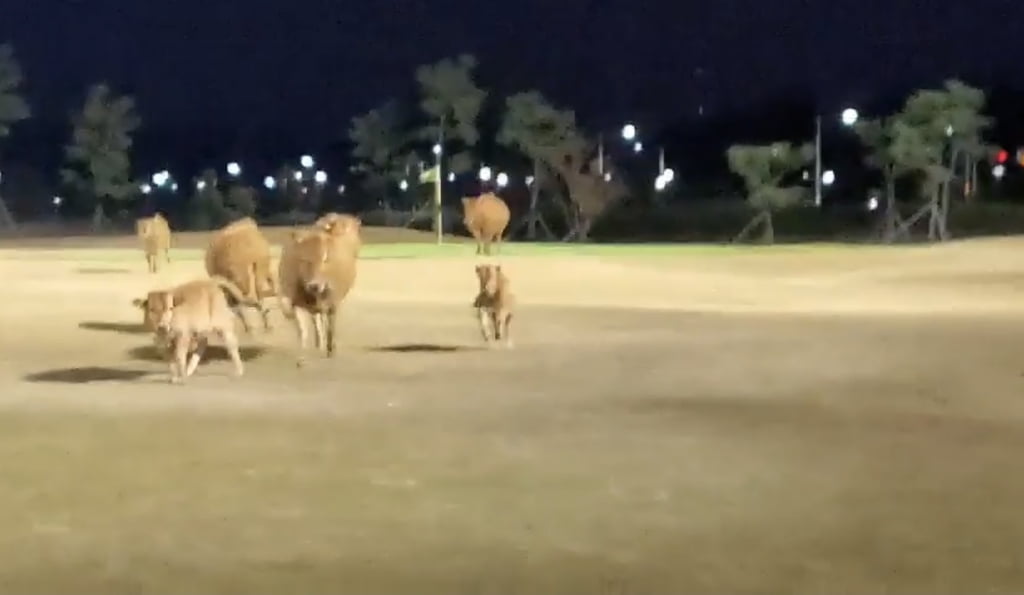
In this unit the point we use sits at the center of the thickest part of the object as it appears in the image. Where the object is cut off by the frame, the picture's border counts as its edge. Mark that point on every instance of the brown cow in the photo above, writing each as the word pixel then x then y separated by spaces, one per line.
pixel 155 234
pixel 486 217
pixel 183 317
pixel 239 253
pixel 494 304
pixel 338 224
pixel 316 272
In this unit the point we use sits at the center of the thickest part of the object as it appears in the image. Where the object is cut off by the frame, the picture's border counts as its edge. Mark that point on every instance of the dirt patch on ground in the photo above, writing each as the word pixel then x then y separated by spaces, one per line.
pixel 751 423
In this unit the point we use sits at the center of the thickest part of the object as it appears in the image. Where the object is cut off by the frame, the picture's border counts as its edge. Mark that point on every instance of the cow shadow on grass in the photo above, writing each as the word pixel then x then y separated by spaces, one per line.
pixel 423 348
pixel 86 375
pixel 126 328
pixel 213 353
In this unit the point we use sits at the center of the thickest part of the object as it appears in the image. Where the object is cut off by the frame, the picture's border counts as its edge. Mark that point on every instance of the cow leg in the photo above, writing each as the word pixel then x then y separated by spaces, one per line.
pixel 507 333
pixel 331 324
pixel 181 345
pixel 197 355
pixel 302 323
pixel 485 321
pixel 265 313
pixel 231 345
pixel 318 327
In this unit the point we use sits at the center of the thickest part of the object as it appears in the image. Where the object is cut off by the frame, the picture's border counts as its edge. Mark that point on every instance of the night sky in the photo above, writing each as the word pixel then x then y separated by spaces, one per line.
pixel 307 66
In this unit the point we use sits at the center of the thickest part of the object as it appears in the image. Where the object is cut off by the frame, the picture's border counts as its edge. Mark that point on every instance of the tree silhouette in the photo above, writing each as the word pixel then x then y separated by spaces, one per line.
pixel 452 101
pixel 381 148
pixel 550 137
pixel 98 162
pixel 13 108
pixel 763 169
pixel 936 131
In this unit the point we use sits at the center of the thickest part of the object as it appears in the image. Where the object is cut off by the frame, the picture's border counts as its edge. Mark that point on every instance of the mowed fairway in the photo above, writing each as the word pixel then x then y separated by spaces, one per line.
pixel 811 419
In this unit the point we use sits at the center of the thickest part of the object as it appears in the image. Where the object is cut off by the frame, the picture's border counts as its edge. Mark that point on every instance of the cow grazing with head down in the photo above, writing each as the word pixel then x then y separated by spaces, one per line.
pixel 316 272
pixel 155 234
pixel 486 217
pixel 239 253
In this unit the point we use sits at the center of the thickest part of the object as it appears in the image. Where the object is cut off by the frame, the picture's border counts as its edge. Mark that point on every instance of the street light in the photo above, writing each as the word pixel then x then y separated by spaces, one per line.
pixel 436 149
pixel 57 200
pixel 341 189
pixel 848 117
pixel 200 184
pixel 269 183
pixel 451 176
pixel 607 176
pixel 638 147
pixel 660 183
pixel 485 174
pixel 146 188
pixel 999 171
pixel 502 179
pixel 669 175
pixel 307 161
pixel 529 180
pixel 828 178
pixel 873 203
pixel 298 176
pixel 234 169
pixel 320 177
pixel 403 185
pixel 628 132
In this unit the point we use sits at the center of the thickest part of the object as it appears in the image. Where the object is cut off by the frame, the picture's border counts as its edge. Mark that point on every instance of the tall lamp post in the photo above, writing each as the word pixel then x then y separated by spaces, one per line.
pixel 848 117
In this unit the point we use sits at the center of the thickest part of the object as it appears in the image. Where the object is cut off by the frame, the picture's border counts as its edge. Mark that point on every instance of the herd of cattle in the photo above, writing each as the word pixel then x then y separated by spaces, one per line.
pixel 315 272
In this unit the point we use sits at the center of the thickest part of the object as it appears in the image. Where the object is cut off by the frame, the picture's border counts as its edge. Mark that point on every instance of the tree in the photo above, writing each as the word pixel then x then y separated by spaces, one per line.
pixel 877 136
pixel 241 201
pixel 764 169
pixel 551 139
pixel 206 208
pixel 937 130
pixel 380 148
pixel 13 107
pixel 452 101
pixel 98 163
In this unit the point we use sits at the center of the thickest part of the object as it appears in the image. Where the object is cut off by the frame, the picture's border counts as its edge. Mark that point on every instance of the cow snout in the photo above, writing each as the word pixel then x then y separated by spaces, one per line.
pixel 317 287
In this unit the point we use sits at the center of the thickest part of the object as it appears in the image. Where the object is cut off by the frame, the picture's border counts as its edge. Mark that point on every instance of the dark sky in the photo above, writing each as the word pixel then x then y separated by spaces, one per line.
pixel 307 66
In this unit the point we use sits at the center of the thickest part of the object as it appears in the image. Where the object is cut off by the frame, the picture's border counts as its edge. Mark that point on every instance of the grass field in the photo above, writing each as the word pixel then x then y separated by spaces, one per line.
pixel 808 419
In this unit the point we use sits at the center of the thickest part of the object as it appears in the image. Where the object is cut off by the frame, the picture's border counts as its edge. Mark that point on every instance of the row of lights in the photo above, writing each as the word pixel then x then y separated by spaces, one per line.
pixel 163 179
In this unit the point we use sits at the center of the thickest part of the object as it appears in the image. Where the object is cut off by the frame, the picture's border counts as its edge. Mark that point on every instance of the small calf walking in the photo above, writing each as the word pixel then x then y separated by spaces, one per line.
pixel 494 304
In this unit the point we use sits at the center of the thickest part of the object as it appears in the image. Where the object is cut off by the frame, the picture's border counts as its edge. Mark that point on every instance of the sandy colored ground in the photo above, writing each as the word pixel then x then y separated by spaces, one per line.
pixel 766 421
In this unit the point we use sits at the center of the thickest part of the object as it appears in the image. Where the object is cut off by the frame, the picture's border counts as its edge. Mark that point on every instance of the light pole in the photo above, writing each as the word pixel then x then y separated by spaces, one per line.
pixel 848 117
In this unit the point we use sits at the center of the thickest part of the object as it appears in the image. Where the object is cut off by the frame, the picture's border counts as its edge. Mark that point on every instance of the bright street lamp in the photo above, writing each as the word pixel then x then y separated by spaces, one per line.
pixel 307 161
pixel 451 176
pixel 628 132
pixel 873 203
pixel 403 185
pixel 660 183
pixel 146 188
pixel 828 177
pixel 200 184
pixel 999 171
pixel 234 169
pixel 638 147
pixel 436 149
pixel 669 175
pixel 269 183
pixel 320 177
pixel 485 174
pixel 502 180
pixel 529 180
pixel 849 116
pixel 298 176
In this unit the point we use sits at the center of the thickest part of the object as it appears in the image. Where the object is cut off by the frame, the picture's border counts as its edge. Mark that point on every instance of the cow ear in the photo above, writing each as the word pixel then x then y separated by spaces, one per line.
pixel 139 303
